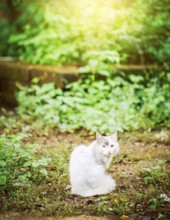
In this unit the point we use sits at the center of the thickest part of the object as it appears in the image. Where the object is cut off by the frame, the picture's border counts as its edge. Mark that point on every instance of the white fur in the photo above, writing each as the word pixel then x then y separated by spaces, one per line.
pixel 88 165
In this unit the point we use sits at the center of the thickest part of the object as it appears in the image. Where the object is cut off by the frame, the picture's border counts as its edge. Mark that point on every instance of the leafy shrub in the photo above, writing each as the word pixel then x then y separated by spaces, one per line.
pixel 155 173
pixel 135 32
pixel 114 104
pixel 18 164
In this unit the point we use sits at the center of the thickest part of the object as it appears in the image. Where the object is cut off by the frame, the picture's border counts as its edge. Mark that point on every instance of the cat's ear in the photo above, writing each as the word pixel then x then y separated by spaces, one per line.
pixel 98 136
pixel 114 136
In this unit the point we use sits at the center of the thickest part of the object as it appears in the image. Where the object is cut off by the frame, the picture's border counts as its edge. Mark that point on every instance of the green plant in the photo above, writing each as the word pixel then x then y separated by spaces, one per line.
pixel 154 174
pixel 119 204
pixel 122 104
pixel 134 32
pixel 19 163
pixel 102 204
pixel 154 203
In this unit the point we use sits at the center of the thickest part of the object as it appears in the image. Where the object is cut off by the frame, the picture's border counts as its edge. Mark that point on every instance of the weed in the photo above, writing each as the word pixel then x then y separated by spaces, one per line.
pixel 155 173
pixel 153 203
pixel 18 163
pixel 102 204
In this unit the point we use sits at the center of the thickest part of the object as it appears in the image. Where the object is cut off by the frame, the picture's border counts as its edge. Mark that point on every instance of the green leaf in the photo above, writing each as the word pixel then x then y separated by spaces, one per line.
pixel 35 80
pixel 27 164
pixel 104 72
pixel 2 180
pixel 43 171
pixel 2 163
pixel 35 164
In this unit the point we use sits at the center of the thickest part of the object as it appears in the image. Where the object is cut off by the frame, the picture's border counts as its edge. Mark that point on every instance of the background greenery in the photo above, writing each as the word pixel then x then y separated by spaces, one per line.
pixel 124 104
pixel 94 33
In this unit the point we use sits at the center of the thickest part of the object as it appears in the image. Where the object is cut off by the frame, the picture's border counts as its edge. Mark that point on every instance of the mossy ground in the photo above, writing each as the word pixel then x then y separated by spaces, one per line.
pixel 141 171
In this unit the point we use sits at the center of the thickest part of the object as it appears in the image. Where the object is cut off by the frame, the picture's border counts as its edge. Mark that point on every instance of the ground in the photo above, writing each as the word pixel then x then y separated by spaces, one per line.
pixel 141 171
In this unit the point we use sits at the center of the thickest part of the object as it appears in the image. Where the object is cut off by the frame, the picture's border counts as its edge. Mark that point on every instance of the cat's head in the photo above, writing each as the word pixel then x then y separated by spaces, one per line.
pixel 108 145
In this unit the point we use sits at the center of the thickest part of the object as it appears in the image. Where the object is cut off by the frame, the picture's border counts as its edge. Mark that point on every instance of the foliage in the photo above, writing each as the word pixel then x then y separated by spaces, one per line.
pixel 15 18
pixel 113 104
pixel 155 40
pixel 18 163
pixel 96 35
pixel 154 173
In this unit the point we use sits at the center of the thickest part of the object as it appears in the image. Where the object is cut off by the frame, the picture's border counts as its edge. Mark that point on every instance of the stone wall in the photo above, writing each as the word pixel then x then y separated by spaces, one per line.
pixel 12 72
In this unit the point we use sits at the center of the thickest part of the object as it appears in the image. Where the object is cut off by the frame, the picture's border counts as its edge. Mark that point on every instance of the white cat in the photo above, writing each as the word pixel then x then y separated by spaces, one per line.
pixel 88 164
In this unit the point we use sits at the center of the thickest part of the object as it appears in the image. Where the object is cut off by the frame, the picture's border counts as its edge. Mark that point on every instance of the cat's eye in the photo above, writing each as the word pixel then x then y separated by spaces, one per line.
pixel 112 145
pixel 103 145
